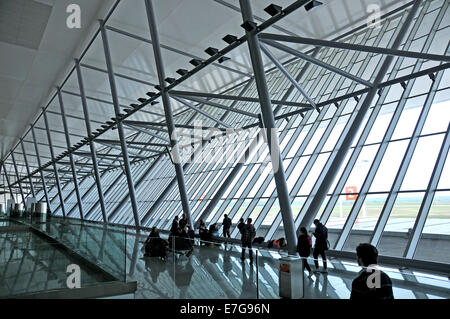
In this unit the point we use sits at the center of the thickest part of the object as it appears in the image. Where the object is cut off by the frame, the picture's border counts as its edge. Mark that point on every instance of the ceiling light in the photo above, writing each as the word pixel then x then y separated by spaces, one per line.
pixel 229 38
pixel 158 87
pixel 182 72
pixel 249 26
pixel 142 100
pixel 312 5
pixel 151 94
pixel 195 62
pixel 211 51
pixel 273 9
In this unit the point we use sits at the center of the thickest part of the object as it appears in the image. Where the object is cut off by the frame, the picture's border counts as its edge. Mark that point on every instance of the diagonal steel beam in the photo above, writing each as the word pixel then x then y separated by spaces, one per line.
pixel 346 144
pixel 55 169
pixel 198 110
pixel 17 176
pixel 93 149
pixel 322 64
pixel 168 111
pixel 72 162
pixel 270 127
pixel 356 47
pixel 28 169
pixel 288 75
pixel 190 95
pixel 184 53
pixel 126 161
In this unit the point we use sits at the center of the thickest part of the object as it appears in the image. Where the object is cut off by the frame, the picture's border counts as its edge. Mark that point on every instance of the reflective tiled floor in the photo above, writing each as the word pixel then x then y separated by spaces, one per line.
pixel 28 264
pixel 217 272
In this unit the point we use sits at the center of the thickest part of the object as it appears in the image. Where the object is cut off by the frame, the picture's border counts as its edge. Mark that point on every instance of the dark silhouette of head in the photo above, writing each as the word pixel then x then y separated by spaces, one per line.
pixel 176 218
pixel 225 215
pixel 316 222
pixel 241 220
pixel 249 221
pixel 367 254
pixel 303 231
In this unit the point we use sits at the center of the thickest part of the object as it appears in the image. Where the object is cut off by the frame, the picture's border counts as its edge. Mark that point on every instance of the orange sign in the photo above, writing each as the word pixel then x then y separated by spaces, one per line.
pixel 351 189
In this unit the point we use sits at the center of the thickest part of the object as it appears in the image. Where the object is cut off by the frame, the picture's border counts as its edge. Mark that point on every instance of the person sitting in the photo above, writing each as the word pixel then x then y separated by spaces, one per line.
pixel 155 246
pixel 182 242
pixel 371 283
pixel 213 233
pixel 278 243
pixel 258 240
pixel 202 232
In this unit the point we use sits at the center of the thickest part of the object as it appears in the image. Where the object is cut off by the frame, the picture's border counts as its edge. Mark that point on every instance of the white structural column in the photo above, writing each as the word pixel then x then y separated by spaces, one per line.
pixel 122 137
pixel 91 144
pixel 55 169
pixel 72 162
pixel 38 157
pixel 168 111
pixel 30 178
pixel 269 125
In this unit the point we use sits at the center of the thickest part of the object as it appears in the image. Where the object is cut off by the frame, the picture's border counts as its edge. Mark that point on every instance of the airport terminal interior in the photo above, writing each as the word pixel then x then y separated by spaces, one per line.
pixel 116 116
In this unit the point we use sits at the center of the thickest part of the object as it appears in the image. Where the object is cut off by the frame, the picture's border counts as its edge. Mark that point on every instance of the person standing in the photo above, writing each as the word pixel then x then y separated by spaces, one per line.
pixel 174 228
pixel 241 225
pixel 183 221
pixel 226 223
pixel 367 286
pixel 304 248
pixel 321 234
pixel 248 233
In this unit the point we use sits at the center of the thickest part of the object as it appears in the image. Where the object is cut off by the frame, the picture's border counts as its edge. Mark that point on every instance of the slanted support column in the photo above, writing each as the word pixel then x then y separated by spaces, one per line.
pixel 72 162
pixel 122 137
pixel 52 154
pixel 28 168
pixel 168 110
pixel 91 144
pixel 269 124
pixel 428 198
pixel 44 184
pixel 7 180
pixel 346 144
pixel 17 176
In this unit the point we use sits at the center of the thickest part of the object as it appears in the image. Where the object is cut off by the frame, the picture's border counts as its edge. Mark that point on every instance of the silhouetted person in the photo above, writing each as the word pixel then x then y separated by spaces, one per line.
pixel 213 233
pixel 155 246
pixel 304 244
pixel 226 223
pixel 202 232
pixel 248 233
pixel 240 225
pixel 183 221
pixel 371 283
pixel 173 229
pixel 321 234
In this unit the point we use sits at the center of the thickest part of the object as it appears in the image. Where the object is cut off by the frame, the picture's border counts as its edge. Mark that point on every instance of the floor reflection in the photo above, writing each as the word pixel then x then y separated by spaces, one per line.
pixel 218 272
